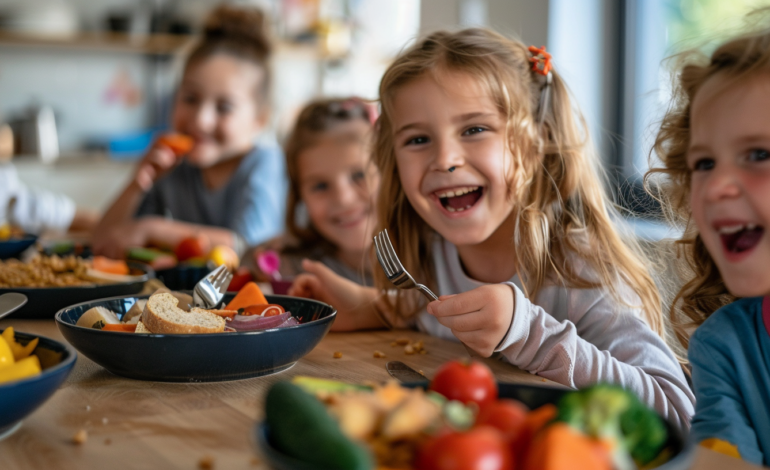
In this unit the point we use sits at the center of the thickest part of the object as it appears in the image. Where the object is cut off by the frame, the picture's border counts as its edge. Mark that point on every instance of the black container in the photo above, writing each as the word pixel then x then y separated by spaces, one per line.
pixel 198 357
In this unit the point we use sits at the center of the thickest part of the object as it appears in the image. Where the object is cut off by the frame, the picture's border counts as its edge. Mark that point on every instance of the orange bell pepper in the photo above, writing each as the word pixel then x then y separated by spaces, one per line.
pixel 249 295
pixel 120 327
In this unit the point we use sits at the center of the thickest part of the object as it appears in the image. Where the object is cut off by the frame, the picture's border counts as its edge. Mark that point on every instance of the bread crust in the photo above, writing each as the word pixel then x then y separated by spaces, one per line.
pixel 162 306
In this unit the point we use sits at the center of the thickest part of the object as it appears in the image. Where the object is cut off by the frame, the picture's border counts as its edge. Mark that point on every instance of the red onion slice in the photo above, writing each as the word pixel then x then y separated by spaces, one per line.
pixel 254 322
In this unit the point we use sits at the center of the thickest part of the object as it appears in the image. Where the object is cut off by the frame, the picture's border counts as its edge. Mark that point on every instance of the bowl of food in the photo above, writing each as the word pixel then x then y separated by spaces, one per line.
pixel 31 369
pixel 312 423
pixel 53 282
pixel 160 338
pixel 14 245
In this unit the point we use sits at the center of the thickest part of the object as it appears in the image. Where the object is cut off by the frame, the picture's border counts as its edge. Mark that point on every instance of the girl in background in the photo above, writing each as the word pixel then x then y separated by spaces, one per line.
pixel 492 197
pixel 331 210
pixel 715 148
pixel 226 188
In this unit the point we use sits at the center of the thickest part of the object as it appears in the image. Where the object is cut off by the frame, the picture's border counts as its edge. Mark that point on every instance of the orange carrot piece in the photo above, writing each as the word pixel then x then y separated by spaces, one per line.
pixel 533 423
pixel 249 295
pixel 112 266
pixel 225 313
pixel 559 446
pixel 122 327
pixel 180 144
pixel 268 310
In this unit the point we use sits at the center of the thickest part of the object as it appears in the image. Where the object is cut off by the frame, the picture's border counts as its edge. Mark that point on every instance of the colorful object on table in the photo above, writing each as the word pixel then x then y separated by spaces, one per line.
pixel 16 360
pixel 269 263
pixel 112 266
pixel 192 247
pixel 262 310
pixel 465 382
pixel 157 259
pixel 120 327
pixel 541 60
pixel 180 144
pixel 560 446
pixel 240 278
pixel 723 447
pixel 249 295
pixel 224 255
pixel 19 351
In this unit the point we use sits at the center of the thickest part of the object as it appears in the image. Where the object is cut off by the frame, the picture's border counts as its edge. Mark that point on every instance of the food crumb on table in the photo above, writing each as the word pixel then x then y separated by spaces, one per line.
pixel 206 462
pixel 379 354
pixel 107 441
pixel 337 355
pixel 255 461
pixel 403 341
pixel 105 421
pixel 88 407
pixel 80 437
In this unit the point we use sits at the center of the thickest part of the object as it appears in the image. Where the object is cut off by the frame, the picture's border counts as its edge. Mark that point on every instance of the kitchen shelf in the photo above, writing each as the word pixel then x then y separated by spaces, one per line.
pixel 151 44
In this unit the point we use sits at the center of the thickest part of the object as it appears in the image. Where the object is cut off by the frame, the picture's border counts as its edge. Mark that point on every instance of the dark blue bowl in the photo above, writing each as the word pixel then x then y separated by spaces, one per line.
pixel 44 302
pixel 531 395
pixel 182 276
pixel 198 358
pixel 14 246
pixel 20 398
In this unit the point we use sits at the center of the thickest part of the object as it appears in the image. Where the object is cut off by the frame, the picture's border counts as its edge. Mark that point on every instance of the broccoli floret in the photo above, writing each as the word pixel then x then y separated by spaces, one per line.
pixel 611 413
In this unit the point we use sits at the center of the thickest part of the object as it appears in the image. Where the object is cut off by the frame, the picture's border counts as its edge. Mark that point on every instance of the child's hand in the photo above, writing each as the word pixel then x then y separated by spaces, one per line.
pixel 480 318
pixel 158 161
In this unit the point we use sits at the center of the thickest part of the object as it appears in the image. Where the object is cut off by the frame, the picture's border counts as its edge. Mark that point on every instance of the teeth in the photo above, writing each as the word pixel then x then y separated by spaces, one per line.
pixel 450 209
pixel 751 226
pixel 731 229
pixel 458 191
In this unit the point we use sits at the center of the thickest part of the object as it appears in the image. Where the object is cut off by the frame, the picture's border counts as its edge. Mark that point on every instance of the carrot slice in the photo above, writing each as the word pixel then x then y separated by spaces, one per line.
pixel 267 310
pixel 534 421
pixel 122 327
pixel 180 144
pixel 250 294
pixel 559 447
pixel 225 313
pixel 112 266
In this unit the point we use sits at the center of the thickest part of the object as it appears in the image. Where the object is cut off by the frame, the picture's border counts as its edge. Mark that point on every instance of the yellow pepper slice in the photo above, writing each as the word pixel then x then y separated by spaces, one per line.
pixel 19 351
pixel 723 447
pixel 6 354
pixel 24 368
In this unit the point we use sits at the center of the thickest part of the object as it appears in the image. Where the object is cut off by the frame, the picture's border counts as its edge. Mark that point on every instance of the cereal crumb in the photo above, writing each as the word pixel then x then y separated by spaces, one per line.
pixel 88 407
pixel 80 437
pixel 543 380
pixel 379 354
pixel 337 355
pixel 105 421
pixel 206 462
pixel 421 372
pixel 409 349
pixel 107 441
pixel 403 341
pixel 393 344
pixel 423 352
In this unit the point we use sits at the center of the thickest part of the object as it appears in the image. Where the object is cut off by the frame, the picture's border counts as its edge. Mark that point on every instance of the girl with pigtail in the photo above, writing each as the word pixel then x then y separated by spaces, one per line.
pixel 495 201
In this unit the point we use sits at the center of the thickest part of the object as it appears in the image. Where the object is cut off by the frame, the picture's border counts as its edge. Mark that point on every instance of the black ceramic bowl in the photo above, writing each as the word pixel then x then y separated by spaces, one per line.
pixel 21 397
pixel 531 395
pixel 203 357
pixel 182 276
pixel 44 302
pixel 14 246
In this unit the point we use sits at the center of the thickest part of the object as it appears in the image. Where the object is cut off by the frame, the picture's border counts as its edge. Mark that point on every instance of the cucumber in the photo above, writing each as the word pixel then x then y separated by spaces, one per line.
pixel 301 428
pixel 315 385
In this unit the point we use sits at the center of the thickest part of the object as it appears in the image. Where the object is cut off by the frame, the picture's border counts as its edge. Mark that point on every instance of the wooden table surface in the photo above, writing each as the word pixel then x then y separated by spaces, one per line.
pixel 150 425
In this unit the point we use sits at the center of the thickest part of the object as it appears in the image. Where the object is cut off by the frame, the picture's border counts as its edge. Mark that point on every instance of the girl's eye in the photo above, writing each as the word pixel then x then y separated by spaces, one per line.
pixel 417 140
pixel 358 176
pixel 473 130
pixel 319 187
pixel 224 107
pixel 703 164
pixel 758 155
pixel 189 99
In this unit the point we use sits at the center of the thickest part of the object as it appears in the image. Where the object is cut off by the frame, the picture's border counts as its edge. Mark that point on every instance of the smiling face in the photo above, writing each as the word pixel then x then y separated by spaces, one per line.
pixel 729 157
pixel 453 125
pixel 337 186
pixel 216 105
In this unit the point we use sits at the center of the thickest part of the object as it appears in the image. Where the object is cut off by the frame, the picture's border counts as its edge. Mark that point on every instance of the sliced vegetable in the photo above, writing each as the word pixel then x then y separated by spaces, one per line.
pixel 26 367
pixel 120 327
pixel 264 310
pixel 506 415
pixel 300 427
pixel 111 266
pixel 250 294
pixel 535 421
pixel 315 385
pixel 6 354
pixel 466 382
pixel 560 446
pixel 481 448
pixel 253 322
pixel 19 351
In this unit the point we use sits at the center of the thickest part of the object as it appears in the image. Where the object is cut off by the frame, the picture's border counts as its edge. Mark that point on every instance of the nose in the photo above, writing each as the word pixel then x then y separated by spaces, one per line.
pixel 449 155
pixel 205 117
pixel 345 194
pixel 724 183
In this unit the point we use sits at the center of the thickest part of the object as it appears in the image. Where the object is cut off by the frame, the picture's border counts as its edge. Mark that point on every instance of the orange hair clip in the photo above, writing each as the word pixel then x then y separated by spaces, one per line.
pixel 541 60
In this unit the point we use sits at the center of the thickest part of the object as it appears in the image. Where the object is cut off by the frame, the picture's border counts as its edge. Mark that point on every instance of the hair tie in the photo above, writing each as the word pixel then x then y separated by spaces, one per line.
pixel 541 64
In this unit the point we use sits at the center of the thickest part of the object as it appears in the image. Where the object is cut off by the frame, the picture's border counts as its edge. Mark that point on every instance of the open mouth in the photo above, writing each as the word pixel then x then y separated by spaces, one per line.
pixel 460 199
pixel 740 238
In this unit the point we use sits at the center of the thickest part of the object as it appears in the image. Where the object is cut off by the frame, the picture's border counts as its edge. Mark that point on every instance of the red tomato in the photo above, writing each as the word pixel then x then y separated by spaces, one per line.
pixel 265 310
pixel 240 278
pixel 192 247
pixel 507 416
pixel 465 382
pixel 481 448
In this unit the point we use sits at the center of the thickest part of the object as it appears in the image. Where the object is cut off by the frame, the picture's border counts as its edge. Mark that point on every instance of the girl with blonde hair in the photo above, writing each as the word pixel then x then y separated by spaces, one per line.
pixel 493 198
pixel 714 144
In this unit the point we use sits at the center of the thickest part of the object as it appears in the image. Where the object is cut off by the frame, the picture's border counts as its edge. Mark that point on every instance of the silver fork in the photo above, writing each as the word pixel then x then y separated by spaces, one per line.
pixel 210 290
pixel 397 274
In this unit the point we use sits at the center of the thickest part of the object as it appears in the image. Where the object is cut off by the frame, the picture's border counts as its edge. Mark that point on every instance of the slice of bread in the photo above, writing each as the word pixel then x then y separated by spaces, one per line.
pixel 140 328
pixel 162 316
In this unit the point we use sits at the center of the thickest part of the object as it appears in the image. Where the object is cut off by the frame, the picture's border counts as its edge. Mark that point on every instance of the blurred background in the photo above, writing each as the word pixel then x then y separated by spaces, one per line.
pixel 84 84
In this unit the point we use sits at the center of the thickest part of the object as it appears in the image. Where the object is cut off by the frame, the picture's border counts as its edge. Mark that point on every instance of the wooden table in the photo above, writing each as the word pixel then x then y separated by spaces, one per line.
pixel 147 425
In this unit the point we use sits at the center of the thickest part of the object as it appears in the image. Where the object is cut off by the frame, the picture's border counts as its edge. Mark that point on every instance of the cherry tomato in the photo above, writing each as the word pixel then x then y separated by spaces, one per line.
pixel 192 247
pixel 240 278
pixel 505 415
pixel 482 448
pixel 466 382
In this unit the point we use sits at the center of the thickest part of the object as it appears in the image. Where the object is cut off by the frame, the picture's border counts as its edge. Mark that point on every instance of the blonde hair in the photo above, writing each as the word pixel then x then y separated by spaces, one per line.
pixel 705 292
pixel 562 207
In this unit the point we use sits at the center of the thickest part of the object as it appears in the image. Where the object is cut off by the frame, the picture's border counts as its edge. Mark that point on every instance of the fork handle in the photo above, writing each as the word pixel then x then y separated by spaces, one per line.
pixel 427 292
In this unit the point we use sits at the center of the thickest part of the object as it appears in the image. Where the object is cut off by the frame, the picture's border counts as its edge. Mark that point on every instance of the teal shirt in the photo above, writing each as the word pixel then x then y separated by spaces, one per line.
pixel 730 357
